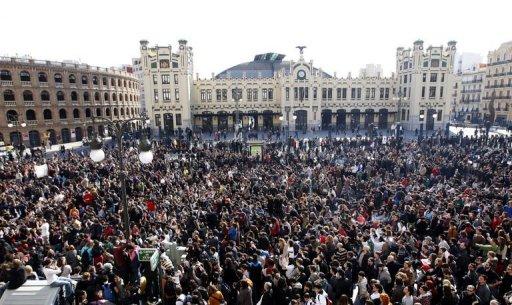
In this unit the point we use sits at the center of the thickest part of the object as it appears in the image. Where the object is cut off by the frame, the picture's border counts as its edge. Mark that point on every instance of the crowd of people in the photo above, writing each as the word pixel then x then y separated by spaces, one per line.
pixel 312 222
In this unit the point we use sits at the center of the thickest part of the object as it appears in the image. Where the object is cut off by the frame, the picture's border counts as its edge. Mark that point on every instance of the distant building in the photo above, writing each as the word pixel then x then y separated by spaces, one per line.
pixel 371 70
pixel 467 61
pixel 497 100
pixel 139 74
pixel 469 94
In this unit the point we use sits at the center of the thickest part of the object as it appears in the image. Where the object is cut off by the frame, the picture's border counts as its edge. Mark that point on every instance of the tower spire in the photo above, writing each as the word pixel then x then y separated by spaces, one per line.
pixel 301 51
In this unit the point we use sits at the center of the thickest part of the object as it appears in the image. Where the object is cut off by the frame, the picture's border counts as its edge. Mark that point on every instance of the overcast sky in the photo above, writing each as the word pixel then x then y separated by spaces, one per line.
pixel 341 36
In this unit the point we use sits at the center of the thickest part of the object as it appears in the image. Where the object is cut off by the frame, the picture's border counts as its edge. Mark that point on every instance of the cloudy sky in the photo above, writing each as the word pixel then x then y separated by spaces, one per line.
pixel 341 36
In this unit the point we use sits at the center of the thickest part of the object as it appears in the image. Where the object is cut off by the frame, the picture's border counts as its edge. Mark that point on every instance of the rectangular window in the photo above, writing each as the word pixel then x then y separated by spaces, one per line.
pixel 433 77
pixel 176 79
pixel 359 93
pixel 432 92
pixel 295 93
pixel 153 65
pixel 155 79
pixel 353 93
pixel 177 95
pixel 434 63
pixel 178 118
pixel 203 95
pixel 209 95
pixel 306 93
pixel 381 93
pixel 157 120
pixel 439 115
pixel 287 90
pixel 422 115
pixel 424 77
pixel 166 79
pixel 329 93
pixel 264 95
pixel 155 94
pixel 255 95
pixel 405 79
pixel 405 92
pixel 367 95
pixel 344 93
pixel 315 91
pixel 224 95
pixel 373 93
pixel 249 95
pixel 338 93
pixel 442 77
pixel 386 96
pixel 441 91
pixel 270 94
pixel 423 91
pixel 324 93
pixel 166 94
pixel 218 94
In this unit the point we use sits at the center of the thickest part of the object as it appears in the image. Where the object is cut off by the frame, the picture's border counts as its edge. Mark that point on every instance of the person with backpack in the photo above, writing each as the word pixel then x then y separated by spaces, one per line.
pixel 321 297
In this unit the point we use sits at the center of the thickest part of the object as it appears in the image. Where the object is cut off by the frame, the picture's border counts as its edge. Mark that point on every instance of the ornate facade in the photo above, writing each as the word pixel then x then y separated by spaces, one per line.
pixel 270 92
pixel 45 102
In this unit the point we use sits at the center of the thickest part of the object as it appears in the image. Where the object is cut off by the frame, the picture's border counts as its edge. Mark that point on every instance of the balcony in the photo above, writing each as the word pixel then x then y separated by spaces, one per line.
pixel 45 103
pixel 500 62
pixel 6 83
pixel 74 103
pixel 26 83
pixel 474 81
pixel 10 103
pixel 48 122
pixel 95 87
pixel 63 121
pixel 43 84
pixel 72 86
pixel 32 122
pixel 59 85
pixel 29 103
pixel 499 86
pixel 61 103
pixel 471 91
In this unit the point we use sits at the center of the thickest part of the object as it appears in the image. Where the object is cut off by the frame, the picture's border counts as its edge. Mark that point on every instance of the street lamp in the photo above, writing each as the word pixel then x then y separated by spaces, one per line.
pixel 145 156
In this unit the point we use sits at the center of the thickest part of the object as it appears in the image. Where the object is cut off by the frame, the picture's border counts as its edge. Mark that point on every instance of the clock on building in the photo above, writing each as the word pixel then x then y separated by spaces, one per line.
pixel 301 74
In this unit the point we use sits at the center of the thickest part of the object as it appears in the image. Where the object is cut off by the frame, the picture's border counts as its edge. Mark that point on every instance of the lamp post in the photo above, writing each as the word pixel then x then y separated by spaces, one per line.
pixel 236 99
pixel 398 105
pixel 422 116
pixel 145 156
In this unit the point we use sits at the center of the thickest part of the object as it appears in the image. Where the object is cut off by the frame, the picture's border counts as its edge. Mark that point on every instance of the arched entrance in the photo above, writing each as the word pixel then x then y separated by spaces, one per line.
pixel 52 136
pixel 268 121
pixel 341 119
pixel 301 122
pixel 34 139
pixel 254 121
pixel 206 122
pixel 15 138
pixel 369 114
pixel 79 134
pixel 355 117
pixel 168 124
pixel 66 135
pixel 222 124
pixel 429 125
pixel 383 119
pixel 326 119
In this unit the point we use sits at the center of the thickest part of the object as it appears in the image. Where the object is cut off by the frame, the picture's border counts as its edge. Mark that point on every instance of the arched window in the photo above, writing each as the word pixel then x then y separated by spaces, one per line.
pixel 126 97
pixel 31 115
pixel 105 96
pixel 104 81
pixel 114 97
pixel 74 96
pixel 28 96
pixel 24 76
pixel 85 80
pixel 124 83
pixel 9 96
pixel 5 75
pixel 57 77
pixel 131 98
pixel 96 96
pixel 122 111
pixel 60 96
pixel 87 112
pixel 45 96
pixel 76 113
pixel 112 82
pixel 116 113
pixel 95 80
pixel 12 116
pixel 41 76
pixel 86 96
pixel 119 83
pixel 98 111
pixel 72 79
pixel 133 112
pixel 127 111
pixel 107 112
pixel 47 114
pixel 63 114
pixel 120 97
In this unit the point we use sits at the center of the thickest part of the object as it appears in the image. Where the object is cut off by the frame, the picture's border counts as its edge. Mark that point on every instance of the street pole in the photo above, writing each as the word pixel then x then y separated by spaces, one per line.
pixel 236 99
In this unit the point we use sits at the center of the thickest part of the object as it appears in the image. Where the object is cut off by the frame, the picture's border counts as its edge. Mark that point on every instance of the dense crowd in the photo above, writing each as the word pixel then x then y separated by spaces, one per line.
pixel 319 221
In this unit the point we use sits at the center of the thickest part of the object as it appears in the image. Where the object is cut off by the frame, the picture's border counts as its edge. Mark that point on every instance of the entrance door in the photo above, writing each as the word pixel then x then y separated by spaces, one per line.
pixel 341 118
pixel 326 119
pixel 207 124
pixel 301 123
pixel 168 124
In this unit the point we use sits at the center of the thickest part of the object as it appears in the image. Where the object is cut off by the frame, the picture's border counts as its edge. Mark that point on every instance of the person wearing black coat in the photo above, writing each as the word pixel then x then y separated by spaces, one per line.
pixel 17 276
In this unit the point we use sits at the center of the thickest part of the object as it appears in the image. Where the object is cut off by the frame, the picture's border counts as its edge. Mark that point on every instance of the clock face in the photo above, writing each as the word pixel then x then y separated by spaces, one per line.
pixel 301 74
